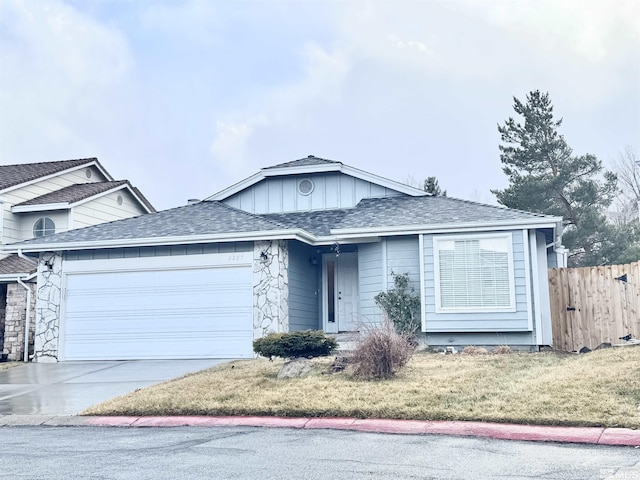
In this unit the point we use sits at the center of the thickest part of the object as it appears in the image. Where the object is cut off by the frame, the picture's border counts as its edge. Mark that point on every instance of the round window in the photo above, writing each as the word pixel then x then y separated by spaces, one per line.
pixel 44 226
pixel 305 186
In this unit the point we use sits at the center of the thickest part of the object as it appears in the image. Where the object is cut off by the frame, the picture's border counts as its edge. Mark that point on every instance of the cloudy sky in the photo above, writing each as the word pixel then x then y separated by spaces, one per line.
pixel 184 98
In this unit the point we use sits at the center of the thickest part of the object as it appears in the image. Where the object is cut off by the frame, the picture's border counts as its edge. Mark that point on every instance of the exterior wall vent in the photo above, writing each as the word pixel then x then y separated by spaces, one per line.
pixel 305 186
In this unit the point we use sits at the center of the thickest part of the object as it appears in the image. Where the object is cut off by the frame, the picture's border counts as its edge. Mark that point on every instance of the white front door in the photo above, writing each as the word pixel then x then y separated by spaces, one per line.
pixel 340 292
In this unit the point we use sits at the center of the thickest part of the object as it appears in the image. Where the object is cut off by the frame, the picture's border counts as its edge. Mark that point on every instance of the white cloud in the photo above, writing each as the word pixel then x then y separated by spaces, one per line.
pixel 60 73
pixel 291 107
pixel 410 44
pixel 588 29
pixel 229 147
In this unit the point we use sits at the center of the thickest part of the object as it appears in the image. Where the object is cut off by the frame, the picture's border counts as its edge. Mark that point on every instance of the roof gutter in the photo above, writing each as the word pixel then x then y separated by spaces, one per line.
pixel 547 222
pixel 27 321
pixel 289 234
pixel 337 235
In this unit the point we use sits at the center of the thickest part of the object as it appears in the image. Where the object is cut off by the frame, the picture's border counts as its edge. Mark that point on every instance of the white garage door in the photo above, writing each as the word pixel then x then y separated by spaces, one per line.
pixel 190 307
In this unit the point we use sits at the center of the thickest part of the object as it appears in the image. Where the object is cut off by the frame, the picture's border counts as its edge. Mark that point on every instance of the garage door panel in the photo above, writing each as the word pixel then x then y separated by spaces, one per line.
pixel 167 346
pixel 180 313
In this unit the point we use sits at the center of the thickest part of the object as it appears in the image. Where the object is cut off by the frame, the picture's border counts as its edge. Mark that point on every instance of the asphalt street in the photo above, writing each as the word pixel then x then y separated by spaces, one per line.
pixel 100 453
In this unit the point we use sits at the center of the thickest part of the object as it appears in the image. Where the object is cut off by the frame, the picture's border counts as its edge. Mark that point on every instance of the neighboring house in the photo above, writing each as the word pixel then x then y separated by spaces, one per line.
pixel 306 244
pixel 40 199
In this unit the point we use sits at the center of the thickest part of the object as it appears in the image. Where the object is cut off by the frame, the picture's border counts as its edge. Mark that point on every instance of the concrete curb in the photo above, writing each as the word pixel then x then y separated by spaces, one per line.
pixel 501 431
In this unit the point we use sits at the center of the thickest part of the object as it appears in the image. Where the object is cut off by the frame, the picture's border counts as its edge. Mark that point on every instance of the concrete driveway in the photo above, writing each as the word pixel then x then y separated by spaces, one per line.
pixel 67 388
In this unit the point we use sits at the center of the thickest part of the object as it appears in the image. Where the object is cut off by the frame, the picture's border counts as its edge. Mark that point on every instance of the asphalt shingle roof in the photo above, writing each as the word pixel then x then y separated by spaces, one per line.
pixel 13 264
pixel 427 210
pixel 203 218
pixel 11 175
pixel 303 162
pixel 74 193
pixel 213 217
pixel 317 222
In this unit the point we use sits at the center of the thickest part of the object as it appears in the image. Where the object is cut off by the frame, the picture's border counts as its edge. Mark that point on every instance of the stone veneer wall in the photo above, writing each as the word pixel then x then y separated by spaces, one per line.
pixel 48 308
pixel 270 287
pixel 14 320
pixel 3 307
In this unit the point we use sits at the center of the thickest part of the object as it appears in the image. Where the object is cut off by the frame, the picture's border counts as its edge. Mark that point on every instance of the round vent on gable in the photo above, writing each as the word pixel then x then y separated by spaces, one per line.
pixel 305 186
pixel 87 172
pixel 119 200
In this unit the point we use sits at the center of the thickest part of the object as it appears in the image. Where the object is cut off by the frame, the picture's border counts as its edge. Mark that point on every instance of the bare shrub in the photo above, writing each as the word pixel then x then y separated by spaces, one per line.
pixel 381 352
pixel 473 350
pixel 502 350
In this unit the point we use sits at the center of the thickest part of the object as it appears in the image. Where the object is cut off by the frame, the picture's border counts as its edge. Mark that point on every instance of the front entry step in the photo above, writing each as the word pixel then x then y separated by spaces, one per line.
pixel 347 341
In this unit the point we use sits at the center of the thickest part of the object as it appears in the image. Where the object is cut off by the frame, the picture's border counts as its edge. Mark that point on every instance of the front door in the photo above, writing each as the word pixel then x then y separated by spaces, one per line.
pixel 340 282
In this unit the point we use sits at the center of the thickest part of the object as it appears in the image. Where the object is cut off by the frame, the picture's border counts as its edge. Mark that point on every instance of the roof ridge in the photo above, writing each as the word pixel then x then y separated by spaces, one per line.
pixel 86 189
pixel 87 160
pixel 307 159
pixel 462 200
pixel 499 207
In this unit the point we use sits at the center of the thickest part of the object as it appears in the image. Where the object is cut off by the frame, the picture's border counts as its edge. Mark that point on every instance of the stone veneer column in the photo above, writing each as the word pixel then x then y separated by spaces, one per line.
pixel 270 287
pixel 14 320
pixel 48 308
pixel 3 307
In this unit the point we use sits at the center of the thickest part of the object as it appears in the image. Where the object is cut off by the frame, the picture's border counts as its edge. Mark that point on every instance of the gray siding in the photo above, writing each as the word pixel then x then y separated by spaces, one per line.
pixel 478 321
pixel 517 340
pixel 331 190
pixel 370 280
pixel 403 256
pixel 27 221
pixel 14 223
pixel 159 251
pixel 106 209
pixel 304 288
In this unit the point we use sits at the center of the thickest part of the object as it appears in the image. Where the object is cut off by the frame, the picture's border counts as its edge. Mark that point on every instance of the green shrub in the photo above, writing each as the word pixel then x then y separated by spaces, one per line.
pixel 401 304
pixel 308 343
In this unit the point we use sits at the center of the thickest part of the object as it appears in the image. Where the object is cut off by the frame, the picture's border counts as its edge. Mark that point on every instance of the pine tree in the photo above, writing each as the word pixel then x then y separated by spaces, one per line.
pixel 545 177
pixel 431 186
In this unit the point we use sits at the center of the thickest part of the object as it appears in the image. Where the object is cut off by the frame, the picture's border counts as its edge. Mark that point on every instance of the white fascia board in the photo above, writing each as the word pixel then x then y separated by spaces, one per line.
pixel 293 234
pixel 444 227
pixel 272 172
pixel 385 182
pixel 303 169
pixel 93 163
pixel 65 206
pixel 322 168
pixel 106 192
pixel 43 207
pixel 137 197
pixel 236 187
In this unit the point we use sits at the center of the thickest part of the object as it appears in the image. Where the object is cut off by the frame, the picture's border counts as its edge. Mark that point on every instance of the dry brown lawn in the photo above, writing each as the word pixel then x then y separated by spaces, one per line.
pixel 601 388
pixel 8 365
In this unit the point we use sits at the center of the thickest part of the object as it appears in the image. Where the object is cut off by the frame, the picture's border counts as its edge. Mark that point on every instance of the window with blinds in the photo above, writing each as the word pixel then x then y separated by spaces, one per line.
pixel 474 273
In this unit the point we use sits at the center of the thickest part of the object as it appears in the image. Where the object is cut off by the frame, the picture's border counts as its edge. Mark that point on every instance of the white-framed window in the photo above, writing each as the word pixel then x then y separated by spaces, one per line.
pixel 44 226
pixel 474 273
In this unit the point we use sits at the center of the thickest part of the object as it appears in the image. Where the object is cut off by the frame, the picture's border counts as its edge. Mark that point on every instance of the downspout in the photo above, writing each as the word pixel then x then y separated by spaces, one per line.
pixel 27 322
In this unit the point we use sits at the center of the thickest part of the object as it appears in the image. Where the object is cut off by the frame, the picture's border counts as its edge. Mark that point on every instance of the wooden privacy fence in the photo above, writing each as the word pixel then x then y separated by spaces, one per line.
pixel 593 305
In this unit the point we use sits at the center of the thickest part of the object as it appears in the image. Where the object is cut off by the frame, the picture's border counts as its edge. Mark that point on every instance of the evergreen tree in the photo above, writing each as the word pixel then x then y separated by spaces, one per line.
pixel 545 177
pixel 431 186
